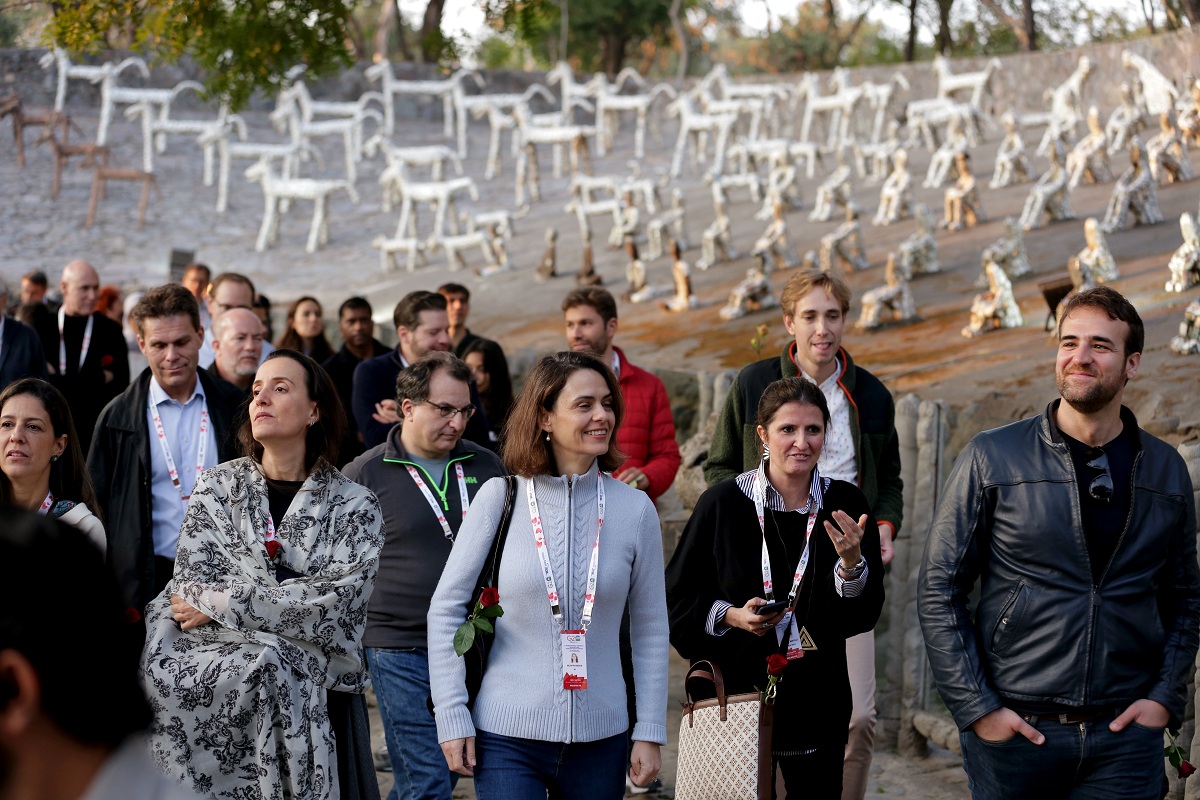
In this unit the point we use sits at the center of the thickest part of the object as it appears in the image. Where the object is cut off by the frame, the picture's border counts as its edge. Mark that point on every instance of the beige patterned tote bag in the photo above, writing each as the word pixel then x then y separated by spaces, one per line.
pixel 724 743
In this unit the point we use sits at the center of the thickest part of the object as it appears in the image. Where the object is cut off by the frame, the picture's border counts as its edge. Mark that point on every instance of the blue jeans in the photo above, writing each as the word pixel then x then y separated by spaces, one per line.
pixel 401 680
pixel 508 768
pixel 1076 762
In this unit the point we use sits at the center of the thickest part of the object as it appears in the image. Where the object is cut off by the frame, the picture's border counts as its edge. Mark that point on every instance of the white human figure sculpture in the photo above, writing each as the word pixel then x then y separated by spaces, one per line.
pixel 1185 262
pixel 1188 341
pixel 773 244
pixel 1189 115
pixel 872 160
pixel 752 294
pixel 548 266
pixel 639 289
pixel 895 198
pixel 1136 193
pixel 1126 120
pixel 1168 152
pixel 587 275
pixel 681 275
pixel 1051 194
pixel 1066 106
pixel 996 308
pixel 962 206
pixel 630 229
pixel 836 189
pixel 1008 252
pixel 845 244
pixel 918 254
pixel 1095 259
pixel 781 188
pixel 717 236
pixel 1088 160
pixel 1012 160
pixel 894 297
pixel 1158 93
pixel 943 158
pixel 675 220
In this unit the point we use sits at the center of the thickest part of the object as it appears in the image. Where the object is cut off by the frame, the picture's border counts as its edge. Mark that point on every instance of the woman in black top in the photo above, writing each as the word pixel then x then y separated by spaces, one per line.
pixel 716 581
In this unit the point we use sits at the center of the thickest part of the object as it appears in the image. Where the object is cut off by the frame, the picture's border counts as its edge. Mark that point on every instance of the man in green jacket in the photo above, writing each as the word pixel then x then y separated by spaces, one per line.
pixel 860 447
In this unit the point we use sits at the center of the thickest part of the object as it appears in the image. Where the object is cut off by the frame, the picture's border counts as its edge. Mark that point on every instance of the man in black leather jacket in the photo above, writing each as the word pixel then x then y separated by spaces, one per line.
pixel 1081 531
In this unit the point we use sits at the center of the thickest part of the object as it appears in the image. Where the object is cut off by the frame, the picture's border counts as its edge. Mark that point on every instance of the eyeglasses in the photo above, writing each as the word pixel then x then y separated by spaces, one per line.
pixel 449 411
pixel 1102 486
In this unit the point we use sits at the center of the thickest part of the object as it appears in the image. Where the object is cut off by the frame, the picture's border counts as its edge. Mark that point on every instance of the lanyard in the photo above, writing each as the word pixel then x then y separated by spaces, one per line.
pixel 47 504
pixel 433 503
pixel 62 342
pixel 201 447
pixel 760 495
pixel 539 541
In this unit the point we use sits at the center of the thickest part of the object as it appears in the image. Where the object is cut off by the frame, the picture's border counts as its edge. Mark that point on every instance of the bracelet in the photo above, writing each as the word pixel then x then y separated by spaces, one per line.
pixel 855 571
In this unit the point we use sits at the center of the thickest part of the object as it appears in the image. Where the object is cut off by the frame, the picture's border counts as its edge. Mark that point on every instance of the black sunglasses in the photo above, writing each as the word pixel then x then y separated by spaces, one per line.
pixel 1102 486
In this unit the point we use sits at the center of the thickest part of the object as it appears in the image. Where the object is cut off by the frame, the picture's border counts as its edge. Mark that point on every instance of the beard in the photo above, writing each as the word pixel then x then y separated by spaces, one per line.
pixel 1091 398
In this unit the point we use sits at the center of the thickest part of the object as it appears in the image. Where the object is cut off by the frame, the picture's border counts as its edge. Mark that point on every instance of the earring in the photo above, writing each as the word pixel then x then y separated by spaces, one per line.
pixel 53 459
pixel 547 436
pixel 312 422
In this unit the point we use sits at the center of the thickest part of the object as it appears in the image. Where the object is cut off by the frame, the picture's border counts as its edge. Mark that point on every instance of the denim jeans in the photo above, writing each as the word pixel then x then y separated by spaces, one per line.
pixel 508 768
pixel 1076 762
pixel 401 680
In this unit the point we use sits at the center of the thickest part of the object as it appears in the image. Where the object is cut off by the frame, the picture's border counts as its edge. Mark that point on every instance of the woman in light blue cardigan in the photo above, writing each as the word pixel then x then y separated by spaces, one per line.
pixel 528 734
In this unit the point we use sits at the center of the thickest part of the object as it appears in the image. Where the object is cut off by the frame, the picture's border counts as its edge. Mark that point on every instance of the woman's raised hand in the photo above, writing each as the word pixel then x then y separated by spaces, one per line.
pixel 847 537
pixel 748 619
pixel 187 615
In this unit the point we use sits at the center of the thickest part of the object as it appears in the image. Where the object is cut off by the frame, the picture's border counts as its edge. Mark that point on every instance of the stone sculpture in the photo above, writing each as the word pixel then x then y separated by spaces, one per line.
pixel 547 267
pixel 1185 262
pixel 1135 192
pixel 894 298
pixel 1012 161
pixel 1189 115
pixel 1188 341
pixel 1168 152
pixel 717 238
pixel 1066 106
pixel 587 268
pixel 996 308
pixel 836 189
pixel 1008 252
pixel 946 155
pixel 1051 194
pixel 895 198
pixel 963 207
pixel 675 220
pixel 1158 93
pixel 681 275
pixel 772 248
pixel 844 244
pixel 1093 264
pixel 781 188
pixel 1126 119
pixel 918 254
pixel 277 190
pixel 751 295
pixel 1088 160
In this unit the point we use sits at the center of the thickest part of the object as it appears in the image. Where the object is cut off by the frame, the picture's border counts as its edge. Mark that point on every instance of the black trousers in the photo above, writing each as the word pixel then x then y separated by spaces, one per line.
pixel 813 776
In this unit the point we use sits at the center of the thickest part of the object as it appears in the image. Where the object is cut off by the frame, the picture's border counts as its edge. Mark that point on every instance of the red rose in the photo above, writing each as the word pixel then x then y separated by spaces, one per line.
pixel 776 664
pixel 273 548
pixel 1185 769
pixel 489 597
pixel 133 616
pixel 106 361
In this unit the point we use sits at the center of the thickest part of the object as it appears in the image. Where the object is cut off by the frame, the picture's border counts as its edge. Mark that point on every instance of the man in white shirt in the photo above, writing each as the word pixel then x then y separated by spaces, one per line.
pixel 227 290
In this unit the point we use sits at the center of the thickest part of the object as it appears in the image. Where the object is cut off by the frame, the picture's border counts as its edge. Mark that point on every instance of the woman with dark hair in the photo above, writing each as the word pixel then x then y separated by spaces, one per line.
pixel 551 714
pixel 42 467
pixel 254 660
pixel 726 585
pixel 489 368
pixel 305 330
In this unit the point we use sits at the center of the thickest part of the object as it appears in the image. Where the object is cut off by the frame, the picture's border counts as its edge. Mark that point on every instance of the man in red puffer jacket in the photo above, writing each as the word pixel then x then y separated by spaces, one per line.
pixel 647 434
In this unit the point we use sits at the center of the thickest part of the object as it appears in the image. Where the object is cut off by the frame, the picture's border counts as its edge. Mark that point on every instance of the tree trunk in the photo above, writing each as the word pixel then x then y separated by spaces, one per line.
pixel 681 39
pixel 383 28
pixel 910 46
pixel 1022 28
pixel 613 54
pixel 431 30
pixel 1192 9
pixel 944 40
pixel 1027 19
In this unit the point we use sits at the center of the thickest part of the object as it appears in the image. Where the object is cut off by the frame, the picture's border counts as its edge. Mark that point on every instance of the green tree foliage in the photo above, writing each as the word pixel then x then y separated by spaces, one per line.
pixel 241 45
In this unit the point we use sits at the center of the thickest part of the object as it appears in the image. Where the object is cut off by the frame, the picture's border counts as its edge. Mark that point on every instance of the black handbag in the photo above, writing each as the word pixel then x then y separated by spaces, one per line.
pixel 476 657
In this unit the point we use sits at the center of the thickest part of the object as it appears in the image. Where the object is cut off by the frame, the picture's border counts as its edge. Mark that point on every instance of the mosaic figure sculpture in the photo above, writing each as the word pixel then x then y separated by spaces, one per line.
pixel 1066 107
pixel 1168 152
pixel 717 237
pixel 1158 93
pixel 872 160
pixel 1008 252
pixel 772 248
pixel 918 254
pixel 751 295
pixel 694 127
pixel 844 244
pixel 782 187
pixel 836 189
pixel 1135 193
pixel 1185 262
pixel 1189 115
pixel 944 157
pixel 548 266
pixel 895 198
pixel 1051 194
pixel 635 273
pixel 894 298
pixel 1188 341
pixel 587 267
pixel 681 275
pixel 389 248
pixel 1095 259
pixel 1012 160
pixel 1126 120
pixel 962 206
pixel 1088 160
pixel 996 308
pixel 675 220
pixel 630 229
pixel 278 189
pixel 977 83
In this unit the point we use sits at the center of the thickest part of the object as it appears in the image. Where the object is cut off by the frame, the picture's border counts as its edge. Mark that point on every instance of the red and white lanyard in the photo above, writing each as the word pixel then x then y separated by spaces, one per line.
pixel 433 503
pixel 201 448
pixel 760 496
pixel 62 341
pixel 270 537
pixel 47 504
pixel 539 541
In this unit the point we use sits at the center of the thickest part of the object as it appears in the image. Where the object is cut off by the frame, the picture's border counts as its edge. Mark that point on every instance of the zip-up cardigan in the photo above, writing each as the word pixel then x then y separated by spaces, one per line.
pixel 415 547
pixel 522 693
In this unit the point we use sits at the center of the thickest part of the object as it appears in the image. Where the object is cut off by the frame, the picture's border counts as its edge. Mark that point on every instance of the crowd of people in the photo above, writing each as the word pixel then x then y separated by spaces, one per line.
pixel 259 532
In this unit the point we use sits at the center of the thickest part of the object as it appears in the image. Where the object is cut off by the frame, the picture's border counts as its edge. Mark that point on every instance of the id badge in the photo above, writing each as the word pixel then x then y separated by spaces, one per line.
pixel 795 649
pixel 574 659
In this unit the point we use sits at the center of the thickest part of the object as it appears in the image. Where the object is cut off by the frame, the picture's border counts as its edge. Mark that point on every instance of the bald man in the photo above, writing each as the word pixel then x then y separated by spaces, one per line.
pixel 237 345
pixel 86 354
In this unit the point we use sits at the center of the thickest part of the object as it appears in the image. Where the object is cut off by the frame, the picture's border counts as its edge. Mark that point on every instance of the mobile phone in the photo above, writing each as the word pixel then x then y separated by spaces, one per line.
pixel 770 609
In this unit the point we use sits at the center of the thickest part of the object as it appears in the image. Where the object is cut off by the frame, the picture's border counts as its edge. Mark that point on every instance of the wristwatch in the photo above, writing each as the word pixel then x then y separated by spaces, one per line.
pixel 854 572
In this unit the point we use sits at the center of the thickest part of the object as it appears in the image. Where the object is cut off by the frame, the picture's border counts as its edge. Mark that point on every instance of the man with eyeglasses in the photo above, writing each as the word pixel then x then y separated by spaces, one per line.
pixel 425 476
pixel 1081 530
